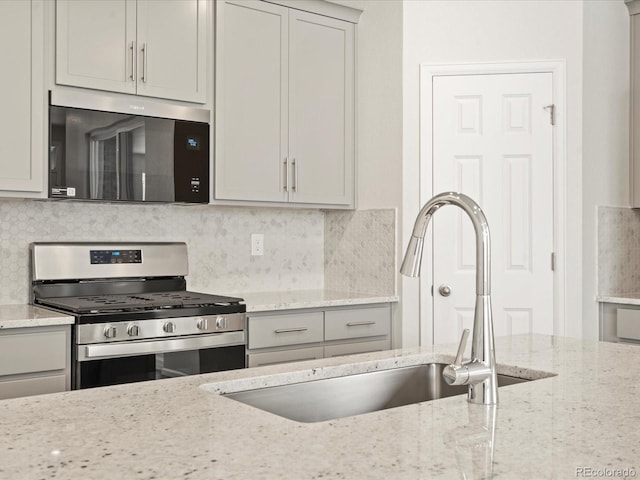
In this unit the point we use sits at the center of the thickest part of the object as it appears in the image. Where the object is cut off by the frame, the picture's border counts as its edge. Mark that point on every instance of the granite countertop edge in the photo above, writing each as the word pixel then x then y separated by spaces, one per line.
pixel 300 299
pixel 25 315
pixel 581 418
pixel 624 299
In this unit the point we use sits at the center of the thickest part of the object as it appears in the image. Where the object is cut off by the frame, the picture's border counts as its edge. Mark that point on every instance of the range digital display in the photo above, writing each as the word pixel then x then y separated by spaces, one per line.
pixel 104 257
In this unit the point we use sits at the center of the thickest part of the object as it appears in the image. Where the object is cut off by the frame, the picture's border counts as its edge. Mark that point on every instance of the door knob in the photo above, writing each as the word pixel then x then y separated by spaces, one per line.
pixel 445 290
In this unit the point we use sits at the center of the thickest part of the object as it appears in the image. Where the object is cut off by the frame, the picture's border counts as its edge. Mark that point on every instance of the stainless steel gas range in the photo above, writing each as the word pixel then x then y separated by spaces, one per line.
pixel 134 318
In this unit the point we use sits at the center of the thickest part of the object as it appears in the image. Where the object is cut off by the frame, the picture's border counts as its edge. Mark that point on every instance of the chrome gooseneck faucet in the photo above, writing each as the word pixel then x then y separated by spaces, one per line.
pixel 480 372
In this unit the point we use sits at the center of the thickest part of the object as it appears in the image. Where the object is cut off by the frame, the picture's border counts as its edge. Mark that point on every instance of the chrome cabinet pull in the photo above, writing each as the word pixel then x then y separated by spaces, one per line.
pixel 294 187
pixel 291 330
pixel 359 324
pixel 132 48
pixel 286 174
pixel 144 62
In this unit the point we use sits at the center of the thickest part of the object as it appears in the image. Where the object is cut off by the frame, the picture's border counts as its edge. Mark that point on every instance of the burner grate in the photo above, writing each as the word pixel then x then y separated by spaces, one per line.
pixel 133 302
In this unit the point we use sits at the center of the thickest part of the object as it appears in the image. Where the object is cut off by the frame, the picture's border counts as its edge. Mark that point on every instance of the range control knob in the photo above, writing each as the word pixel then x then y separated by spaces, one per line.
pixel 202 323
pixel 169 327
pixel 133 330
pixel 221 322
pixel 110 331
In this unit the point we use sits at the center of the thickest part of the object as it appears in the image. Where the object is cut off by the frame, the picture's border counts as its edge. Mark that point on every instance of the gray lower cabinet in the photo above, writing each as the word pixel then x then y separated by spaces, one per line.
pixel 317 333
pixel 367 346
pixel 34 361
pixel 620 323
pixel 284 330
pixel 285 356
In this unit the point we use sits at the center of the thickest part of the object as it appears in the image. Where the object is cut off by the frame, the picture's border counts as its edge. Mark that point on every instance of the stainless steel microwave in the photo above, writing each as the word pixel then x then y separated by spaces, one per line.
pixel 114 149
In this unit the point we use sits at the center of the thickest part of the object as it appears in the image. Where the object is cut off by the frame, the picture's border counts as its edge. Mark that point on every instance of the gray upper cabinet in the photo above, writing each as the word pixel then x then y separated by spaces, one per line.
pixel 22 97
pixel 251 101
pixel 634 187
pixel 321 109
pixel 155 48
pixel 284 106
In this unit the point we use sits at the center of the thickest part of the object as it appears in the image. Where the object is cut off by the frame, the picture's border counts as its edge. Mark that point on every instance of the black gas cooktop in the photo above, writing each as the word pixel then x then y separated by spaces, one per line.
pixel 136 302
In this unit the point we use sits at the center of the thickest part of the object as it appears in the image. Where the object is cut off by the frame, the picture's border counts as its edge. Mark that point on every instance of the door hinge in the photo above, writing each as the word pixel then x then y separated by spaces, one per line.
pixel 552 113
pixel 553 261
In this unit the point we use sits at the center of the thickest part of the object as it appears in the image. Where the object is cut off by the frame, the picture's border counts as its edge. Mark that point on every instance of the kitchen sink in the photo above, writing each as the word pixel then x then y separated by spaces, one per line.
pixel 349 395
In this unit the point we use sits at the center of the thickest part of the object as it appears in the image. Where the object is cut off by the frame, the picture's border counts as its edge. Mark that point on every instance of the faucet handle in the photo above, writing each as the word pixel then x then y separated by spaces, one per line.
pixel 456 374
pixel 461 347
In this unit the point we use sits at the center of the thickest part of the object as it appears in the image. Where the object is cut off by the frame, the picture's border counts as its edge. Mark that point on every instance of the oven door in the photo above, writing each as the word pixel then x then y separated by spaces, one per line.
pixel 115 363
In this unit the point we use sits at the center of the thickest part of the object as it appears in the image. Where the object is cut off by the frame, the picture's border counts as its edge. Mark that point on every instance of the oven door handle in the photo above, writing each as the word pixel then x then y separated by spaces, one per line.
pixel 128 349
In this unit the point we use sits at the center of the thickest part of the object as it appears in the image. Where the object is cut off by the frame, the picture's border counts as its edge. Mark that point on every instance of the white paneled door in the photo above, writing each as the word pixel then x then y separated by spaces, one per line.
pixel 493 140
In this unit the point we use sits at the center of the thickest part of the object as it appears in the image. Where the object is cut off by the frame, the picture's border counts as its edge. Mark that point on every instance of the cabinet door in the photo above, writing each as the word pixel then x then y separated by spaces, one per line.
pixel 635 112
pixel 95 44
pixel 628 324
pixel 34 360
pixel 24 387
pixel 284 356
pixel 357 322
pixel 32 352
pixel 172 36
pixel 22 96
pixel 321 109
pixel 286 329
pixel 251 101
pixel 340 349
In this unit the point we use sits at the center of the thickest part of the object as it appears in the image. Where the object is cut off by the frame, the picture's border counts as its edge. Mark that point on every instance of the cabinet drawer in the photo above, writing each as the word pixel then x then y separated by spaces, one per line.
pixel 628 323
pixel 24 387
pixel 356 323
pixel 285 356
pixel 33 352
pixel 281 330
pixel 359 347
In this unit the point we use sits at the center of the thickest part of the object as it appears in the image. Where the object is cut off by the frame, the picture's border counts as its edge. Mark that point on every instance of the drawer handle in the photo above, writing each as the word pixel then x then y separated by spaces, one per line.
pixel 290 330
pixel 359 324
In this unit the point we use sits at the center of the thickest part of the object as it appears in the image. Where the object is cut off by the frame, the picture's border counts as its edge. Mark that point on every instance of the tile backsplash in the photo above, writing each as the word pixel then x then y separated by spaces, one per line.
pixel 218 240
pixel 359 251
pixel 618 251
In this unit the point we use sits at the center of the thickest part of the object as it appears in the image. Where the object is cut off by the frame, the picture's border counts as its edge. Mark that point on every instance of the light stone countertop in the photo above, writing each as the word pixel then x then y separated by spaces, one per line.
pixel 293 299
pixel 23 315
pixel 586 417
pixel 625 300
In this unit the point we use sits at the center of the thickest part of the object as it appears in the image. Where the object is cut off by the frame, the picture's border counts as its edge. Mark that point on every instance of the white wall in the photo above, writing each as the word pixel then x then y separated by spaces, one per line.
pixel 605 132
pixel 437 32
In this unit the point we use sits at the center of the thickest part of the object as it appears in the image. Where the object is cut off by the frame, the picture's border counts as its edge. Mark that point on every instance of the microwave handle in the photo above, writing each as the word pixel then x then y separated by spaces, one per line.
pixel 128 349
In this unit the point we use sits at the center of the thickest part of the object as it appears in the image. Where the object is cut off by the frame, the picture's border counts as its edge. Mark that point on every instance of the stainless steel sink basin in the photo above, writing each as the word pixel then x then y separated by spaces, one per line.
pixel 339 397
